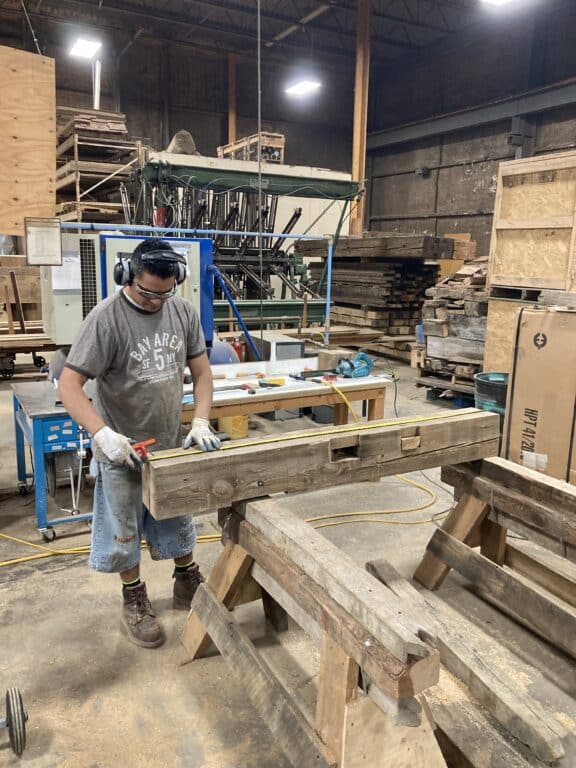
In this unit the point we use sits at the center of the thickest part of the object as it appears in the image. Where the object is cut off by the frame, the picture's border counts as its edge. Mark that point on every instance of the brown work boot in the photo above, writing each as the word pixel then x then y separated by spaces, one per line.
pixel 138 618
pixel 185 586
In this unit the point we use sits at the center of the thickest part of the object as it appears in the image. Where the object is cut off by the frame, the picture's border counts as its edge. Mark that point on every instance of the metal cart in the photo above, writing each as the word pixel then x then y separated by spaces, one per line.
pixel 41 421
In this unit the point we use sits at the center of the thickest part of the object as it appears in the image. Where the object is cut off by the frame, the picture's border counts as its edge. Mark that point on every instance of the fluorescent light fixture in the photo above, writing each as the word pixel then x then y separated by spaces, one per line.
pixel 303 87
pixel 85 49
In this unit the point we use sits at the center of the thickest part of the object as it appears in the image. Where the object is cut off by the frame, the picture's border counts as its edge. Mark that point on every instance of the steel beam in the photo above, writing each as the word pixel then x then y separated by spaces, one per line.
pixel 524 104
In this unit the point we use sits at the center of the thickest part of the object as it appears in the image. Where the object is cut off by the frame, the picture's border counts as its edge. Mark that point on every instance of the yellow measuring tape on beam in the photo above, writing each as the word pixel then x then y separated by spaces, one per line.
pixel 299 435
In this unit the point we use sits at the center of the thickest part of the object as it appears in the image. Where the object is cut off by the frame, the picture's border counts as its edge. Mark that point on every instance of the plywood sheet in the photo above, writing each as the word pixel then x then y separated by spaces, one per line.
pixel 539 195
pixel 531 258
pixel 500 334
pixel 28 130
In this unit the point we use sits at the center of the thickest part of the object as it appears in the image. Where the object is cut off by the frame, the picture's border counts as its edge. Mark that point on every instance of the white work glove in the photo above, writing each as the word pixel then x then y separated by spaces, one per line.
pixel 116 448
pixel 202 435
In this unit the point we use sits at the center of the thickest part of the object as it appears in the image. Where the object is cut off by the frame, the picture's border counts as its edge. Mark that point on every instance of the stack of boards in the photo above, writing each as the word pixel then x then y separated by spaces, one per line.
pixel 454 326
pixel 379 280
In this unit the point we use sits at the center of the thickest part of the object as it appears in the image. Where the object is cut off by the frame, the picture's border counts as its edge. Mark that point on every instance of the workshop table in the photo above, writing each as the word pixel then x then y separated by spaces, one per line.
pixel 42 422
pixel 294 394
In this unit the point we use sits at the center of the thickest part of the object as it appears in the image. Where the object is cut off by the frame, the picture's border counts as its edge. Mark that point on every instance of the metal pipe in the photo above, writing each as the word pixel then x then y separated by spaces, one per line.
pixel 328 291
pixel 96 78
pixel 94 227
pixel 217 274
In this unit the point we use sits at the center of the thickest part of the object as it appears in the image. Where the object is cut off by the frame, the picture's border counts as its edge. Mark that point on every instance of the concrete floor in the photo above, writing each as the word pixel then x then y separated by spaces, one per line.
pixel 97 701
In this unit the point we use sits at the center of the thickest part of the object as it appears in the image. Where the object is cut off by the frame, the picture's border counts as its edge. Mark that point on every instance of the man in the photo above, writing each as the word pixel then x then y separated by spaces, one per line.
pixel 136 345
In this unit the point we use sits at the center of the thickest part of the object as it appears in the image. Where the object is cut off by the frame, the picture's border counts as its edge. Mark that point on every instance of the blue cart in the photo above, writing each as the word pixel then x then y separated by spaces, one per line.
pixel 42 421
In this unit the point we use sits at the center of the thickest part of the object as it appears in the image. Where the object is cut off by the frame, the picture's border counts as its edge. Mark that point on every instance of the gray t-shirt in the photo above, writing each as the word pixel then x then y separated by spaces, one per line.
pixel 138 360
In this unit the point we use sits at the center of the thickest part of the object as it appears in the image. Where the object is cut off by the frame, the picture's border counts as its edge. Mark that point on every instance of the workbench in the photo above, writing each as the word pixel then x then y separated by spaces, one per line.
pixel 294 394
pixel 46 426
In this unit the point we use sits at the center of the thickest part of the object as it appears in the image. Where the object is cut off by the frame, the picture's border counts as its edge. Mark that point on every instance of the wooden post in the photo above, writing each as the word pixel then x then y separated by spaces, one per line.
pixel 9 310
pixel 232 132
pixel 361 85
pixel 338 686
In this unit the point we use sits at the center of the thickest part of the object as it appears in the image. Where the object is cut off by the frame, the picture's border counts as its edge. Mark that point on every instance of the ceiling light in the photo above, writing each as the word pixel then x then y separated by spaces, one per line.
pixel 303 87
pixel 496 2
pixel 85 49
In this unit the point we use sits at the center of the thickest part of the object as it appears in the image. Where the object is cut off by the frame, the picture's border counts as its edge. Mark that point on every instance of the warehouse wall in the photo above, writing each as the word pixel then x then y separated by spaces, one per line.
pixel 165 87
pixel 447 184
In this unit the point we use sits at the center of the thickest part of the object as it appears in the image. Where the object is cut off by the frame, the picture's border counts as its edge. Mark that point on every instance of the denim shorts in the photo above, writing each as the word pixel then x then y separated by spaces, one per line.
pixel 120 521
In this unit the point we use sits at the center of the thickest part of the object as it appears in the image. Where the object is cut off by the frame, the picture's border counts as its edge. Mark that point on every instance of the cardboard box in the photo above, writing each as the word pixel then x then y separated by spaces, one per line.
pixel 539 430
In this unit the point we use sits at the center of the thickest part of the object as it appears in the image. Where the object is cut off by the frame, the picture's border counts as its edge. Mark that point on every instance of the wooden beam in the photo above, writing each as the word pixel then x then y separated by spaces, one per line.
pixel 467 652
pixel 337 687
pixel 360 120
pixel 316 612
pixel 557 575
pixel 460 523
pixel 232 119
pixel 378 610
pixel 493 541
pixel 173 483
pixel 294 736
pixel 520 498
pixel 543 615
pixel 224 581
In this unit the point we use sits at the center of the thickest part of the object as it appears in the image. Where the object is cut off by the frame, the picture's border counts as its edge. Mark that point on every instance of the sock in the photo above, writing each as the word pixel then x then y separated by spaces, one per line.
pixel 183 568
pixel 133 583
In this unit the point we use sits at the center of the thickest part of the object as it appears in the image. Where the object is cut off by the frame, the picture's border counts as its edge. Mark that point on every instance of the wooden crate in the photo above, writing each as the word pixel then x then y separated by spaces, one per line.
pixel 28 145
pixel 534 232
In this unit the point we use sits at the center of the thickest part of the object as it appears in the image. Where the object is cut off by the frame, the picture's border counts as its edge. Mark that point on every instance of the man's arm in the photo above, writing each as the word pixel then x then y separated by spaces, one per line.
pixel 70 386
pixel 116 447
pixel 200 433
pixel 203 385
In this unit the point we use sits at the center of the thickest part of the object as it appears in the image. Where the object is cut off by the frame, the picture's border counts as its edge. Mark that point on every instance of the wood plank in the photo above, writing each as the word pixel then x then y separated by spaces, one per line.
pixel 556 575
pixel 224 581
pixel 467 727
pixel 175 482
pixel 291 731
pixel 28 128
pixel 493 541
pixel 19 310
pixel 468 652
pixel 376 609
pixel 316 612
pixel 337 687
pixel 8 310
pixel 460 523
pixel 539 503
pixel 543 615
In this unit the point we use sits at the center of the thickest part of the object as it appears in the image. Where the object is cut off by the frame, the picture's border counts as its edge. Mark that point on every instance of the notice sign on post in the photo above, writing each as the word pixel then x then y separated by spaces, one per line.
pixel 43 243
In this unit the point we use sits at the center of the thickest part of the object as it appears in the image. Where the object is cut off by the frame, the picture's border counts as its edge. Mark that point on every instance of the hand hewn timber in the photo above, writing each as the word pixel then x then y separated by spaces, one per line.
pixel 175 484
pixel 468 652
pixel 295 737
pixel 522 499
pixel 378 610
pixel 548 617
pixel 389 674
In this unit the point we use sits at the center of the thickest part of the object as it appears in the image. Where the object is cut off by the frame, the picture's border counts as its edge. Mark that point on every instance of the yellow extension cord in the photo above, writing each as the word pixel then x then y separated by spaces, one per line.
pixel 211 538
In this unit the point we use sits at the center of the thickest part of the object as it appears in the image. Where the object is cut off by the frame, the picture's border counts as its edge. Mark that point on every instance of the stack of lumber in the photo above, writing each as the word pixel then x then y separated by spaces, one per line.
pixel 94 155
pixel 454 327
pixel 379 281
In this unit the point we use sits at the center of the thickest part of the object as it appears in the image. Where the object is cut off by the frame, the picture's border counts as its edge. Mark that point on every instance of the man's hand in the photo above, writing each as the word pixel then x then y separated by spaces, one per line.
pixel 202 436
pixel 117 448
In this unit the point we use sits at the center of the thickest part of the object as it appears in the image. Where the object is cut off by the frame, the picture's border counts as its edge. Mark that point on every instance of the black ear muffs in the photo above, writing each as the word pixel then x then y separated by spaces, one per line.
pixel 123 274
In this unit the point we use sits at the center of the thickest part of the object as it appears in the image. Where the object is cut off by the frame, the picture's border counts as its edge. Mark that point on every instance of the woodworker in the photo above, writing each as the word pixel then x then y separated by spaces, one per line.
pixel 136 344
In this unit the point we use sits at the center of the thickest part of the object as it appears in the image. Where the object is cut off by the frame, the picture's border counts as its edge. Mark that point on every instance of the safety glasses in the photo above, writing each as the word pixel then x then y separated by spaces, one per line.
pixel 155 294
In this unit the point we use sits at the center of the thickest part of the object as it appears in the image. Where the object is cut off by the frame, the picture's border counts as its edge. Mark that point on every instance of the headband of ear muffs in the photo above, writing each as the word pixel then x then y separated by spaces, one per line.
pixel 124 274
